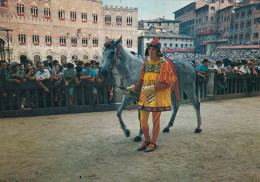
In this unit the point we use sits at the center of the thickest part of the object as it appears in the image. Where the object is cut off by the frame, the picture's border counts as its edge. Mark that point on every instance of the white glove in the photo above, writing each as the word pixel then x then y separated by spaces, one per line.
pixel 149 89
pixel 128 89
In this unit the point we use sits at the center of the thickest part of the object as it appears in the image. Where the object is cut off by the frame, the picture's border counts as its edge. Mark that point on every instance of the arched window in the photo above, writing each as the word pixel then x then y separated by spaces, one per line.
pixel 74 41
pixel 48 40
pixel 84 17
pixel 85 57
pixel 95 17
pixel 62 40
pixel 36 59
pixel 119 20
pixel 35 39
pixel 84 41
pixel 34 11
pixel 129 43
pixel 95 42
pixel 22 39
pixel 73 15
pixel 61 14
pixel 129 20
pixel 20 9
pixel 47 12
pixel 108 19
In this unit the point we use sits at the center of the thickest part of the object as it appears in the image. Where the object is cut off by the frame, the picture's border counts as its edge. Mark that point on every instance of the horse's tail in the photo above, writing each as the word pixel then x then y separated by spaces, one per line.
pixel 197 90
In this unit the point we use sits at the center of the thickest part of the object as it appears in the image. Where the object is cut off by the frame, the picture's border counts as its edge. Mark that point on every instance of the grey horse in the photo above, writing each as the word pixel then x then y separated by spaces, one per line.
pixel 129 66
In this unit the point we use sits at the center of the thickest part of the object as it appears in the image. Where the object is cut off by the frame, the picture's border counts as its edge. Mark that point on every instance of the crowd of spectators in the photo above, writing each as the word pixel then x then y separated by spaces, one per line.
pixel 68 74
pixel 226 67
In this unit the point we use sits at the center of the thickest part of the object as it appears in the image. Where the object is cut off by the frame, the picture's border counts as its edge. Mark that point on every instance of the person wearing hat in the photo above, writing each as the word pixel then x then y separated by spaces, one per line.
pixel 15 75
pixel 155 81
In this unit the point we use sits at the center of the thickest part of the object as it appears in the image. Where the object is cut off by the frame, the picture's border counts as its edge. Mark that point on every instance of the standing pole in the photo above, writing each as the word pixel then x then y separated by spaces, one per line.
pixel 8 47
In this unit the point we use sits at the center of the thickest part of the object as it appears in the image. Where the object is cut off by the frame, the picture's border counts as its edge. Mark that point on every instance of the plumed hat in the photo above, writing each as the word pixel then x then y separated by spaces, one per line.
pixel 155 43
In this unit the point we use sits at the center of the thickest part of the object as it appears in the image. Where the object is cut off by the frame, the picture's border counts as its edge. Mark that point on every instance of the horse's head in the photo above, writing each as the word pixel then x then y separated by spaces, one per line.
pixel 109 55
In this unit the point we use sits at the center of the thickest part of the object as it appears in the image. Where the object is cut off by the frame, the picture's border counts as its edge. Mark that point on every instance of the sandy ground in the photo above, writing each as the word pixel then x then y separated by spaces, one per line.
pixel 92 146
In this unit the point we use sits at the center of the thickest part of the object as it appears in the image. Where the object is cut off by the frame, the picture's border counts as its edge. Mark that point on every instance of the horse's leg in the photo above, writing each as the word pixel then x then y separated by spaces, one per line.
pixel 175 105
pixel 138 137
pixel 125 101
pixel 195 101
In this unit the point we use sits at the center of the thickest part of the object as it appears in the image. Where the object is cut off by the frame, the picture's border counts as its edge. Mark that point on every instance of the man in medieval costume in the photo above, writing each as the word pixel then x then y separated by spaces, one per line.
pixel 155 81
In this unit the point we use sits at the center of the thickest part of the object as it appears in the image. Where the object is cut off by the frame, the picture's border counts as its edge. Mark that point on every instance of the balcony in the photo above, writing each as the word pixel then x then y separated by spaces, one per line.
pixel 248 17
pixel 242 30
pixel 242 18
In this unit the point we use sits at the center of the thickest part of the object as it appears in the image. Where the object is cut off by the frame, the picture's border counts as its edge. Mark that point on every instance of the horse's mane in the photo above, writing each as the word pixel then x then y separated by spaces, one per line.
pixel 126 52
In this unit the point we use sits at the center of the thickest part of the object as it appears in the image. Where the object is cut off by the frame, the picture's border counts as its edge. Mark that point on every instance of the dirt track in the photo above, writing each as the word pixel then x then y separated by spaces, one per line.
pixel 92 147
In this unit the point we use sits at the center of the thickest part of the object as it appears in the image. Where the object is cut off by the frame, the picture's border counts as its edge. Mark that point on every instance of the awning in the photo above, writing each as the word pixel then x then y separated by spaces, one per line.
pixel 240 47
pixel 178 50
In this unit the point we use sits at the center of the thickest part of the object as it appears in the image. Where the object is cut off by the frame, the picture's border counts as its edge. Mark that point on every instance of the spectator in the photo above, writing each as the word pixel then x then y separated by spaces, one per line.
pixel 203 69
pixel 90 74
pixel 244 66
pixel 3 75
pixel 97 67
pixel 251 81
pixel 42 75
pixel 18 76
pixel 220 75
pixel 238 69
pixel 92 62
pixel 69 75
pixel 56 77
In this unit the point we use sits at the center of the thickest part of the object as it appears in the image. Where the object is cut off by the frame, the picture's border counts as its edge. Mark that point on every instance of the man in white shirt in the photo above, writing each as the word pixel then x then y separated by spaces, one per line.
pixel 42 75
pixel 220 75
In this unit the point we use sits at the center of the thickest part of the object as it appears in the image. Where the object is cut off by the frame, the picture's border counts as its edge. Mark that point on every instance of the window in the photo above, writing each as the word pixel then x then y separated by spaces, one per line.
pixel 165 44
pixel 20 9
pixel 47 13
pixel 212 18
pixel 61 14
pixel 129 20
pixel 107 19
pixel 213 8
pixel 95 42
pixel 62 40
pixel 176 45
pixel 129 43
pixel 35 39
pixel 73 16
pixel 48 40
pixel 74 41
pixel 95 17
pixel 84 42
pixel 22 39
pixel 119 20
pixel 84 17
pixel 34 11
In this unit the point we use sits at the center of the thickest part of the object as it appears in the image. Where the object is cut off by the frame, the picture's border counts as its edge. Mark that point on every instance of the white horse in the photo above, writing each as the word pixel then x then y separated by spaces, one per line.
pixel 129 67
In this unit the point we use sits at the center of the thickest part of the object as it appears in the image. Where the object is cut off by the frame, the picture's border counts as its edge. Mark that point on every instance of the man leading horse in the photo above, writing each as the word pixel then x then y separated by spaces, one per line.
pixel 155 80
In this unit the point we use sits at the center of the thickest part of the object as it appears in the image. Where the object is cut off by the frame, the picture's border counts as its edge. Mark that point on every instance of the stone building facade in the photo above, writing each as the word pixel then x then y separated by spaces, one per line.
pixel 167 31
pixel 65 30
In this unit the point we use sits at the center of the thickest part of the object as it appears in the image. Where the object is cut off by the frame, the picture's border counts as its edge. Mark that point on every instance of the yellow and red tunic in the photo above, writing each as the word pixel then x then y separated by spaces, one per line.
pixel 160 75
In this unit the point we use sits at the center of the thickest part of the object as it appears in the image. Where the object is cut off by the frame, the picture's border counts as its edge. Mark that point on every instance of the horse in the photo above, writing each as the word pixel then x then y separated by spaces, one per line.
pixel 129 66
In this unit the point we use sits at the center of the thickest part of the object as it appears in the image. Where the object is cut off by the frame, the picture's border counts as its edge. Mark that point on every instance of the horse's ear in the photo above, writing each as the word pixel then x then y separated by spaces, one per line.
pixel 119 40
pixel 107 39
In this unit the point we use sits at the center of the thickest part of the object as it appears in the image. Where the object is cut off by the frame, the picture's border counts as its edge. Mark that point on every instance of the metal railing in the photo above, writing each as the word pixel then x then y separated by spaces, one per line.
pixel 87 93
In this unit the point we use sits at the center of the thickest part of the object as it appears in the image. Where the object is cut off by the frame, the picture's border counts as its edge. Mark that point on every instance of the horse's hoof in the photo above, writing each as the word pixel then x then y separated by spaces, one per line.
pixel 137 138
pixel 127 133
pixel 197 130
pixel 166 130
